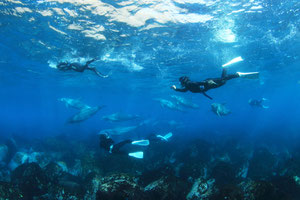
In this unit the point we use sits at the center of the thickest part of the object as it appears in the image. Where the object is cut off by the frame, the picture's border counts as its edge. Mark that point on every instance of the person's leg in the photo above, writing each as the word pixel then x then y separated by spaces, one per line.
pixel 117 147
pixel 97 72
pixel 224 73
pixel 226 77
pixel 231 76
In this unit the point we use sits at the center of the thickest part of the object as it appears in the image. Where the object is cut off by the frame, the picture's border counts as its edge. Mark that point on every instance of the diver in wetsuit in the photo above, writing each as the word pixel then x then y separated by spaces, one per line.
pixel 109 145
pixel 65 66
pixel 210 83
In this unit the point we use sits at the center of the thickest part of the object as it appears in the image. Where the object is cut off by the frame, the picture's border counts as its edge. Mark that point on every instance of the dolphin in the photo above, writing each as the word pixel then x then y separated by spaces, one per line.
pixel 182 101
pixel 84 114
pixel 118 131
pixel 119 117
pixel 74 103
pixel 258 103
pixel 168 104
pixel 220 109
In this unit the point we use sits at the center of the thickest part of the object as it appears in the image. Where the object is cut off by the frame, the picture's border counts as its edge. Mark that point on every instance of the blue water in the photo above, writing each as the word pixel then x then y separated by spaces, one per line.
pixel 146 46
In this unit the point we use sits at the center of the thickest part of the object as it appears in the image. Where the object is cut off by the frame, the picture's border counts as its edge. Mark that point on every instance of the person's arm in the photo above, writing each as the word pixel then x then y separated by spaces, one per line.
pixel 179 89
pixel 207 95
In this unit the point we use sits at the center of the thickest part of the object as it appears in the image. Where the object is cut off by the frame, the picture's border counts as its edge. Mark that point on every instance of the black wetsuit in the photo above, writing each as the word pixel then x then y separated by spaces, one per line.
pixel 64 66
pixel 207 84
pixel 107 144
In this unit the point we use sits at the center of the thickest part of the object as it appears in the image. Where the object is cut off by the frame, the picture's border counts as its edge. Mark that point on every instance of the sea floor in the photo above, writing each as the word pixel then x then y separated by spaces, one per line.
pixel 62 168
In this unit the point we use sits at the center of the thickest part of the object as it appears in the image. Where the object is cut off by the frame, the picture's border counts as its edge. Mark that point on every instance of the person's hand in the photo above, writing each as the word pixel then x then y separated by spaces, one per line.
pixel 173 87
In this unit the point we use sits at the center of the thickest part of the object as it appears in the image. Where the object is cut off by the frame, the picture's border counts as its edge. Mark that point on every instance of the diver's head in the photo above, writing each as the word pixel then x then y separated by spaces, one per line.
pixel 103 136
pixel 183 80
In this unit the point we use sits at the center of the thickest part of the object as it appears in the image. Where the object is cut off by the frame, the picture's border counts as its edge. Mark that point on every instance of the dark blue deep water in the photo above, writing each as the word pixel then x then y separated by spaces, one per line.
pixel 145 46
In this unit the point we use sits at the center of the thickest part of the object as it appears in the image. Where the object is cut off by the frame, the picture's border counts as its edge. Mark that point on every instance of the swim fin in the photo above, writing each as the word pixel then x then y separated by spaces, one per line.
pixel 138 154
pixel 166 137
pixel 141 142
pixel 235 60
pixel 250 75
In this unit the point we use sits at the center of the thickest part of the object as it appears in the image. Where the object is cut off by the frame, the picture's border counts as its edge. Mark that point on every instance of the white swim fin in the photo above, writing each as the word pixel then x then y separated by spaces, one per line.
pixel 235 60
pixel 141 142
pixel 166 137
pixel 250 75
pixel 139 154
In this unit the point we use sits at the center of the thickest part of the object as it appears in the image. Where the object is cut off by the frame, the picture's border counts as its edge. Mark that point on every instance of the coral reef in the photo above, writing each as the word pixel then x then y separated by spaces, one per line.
pixel 199 170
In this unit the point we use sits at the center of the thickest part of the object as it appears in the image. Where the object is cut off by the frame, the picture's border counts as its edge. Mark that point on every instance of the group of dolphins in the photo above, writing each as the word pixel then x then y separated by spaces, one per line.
pixel 178 105
pixel 217 108
pixel 86 112
pixel 221 110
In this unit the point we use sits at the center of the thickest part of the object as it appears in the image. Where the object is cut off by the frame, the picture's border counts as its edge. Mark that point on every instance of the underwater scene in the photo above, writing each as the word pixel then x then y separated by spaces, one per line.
pixel 150 99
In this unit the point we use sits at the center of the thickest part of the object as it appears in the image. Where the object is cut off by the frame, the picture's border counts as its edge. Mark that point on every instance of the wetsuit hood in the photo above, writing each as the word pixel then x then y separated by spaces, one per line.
pixel 103 136
pixel 183 80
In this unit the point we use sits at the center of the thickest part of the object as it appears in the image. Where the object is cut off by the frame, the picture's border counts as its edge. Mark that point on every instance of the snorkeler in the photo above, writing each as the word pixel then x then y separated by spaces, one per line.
pixel 109 145
pixel 258 103
pixel 210 83
pixel 65 66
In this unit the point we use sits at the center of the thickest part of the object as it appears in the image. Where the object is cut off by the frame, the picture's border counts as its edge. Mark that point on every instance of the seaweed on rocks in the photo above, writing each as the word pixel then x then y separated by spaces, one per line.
pixel 229 192
pixel 262 165
pixel 224 173
pixel 167 187
pixel 119 187
pixel 202 189
pixel 10 191
pixel 30 179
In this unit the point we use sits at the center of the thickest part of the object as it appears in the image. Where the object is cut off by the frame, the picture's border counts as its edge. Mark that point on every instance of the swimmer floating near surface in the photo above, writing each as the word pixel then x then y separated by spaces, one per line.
pixel 211 83
pixel 78 67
